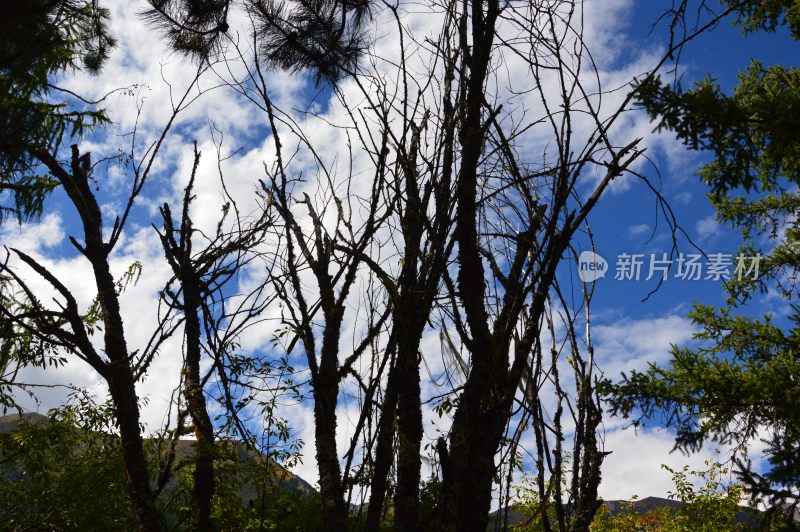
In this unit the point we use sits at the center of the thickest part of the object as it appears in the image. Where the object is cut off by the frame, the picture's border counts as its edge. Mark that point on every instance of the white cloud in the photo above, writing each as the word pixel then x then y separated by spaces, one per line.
pixel 634 465
pixel 638 230
pixel 631 343
pixel 683 198
pixel 301 421
pixel 32 237
pixel 708 228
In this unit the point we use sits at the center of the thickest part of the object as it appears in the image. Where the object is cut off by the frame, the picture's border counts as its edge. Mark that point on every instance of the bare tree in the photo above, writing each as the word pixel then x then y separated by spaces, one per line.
pixel 200 296
pixel 67 329
pixel 503 208
pixel 421 182
pixel 316 249
pixel 515 222
pixel 479 231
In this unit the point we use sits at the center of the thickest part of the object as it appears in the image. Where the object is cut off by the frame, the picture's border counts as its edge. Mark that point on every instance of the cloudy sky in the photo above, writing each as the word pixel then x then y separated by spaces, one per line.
pixel 630 329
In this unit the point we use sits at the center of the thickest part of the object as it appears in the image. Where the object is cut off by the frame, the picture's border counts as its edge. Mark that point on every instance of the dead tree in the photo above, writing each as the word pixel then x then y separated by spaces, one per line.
pixel 515 222
pixel 501 320
pixel 314 248
pixel 67 329
pixel 421 182
pixel 453 184
pixel 201 278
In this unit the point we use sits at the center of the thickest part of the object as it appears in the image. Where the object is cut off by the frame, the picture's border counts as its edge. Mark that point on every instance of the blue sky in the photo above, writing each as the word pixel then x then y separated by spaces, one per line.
pixel 632 221
pixel 628 331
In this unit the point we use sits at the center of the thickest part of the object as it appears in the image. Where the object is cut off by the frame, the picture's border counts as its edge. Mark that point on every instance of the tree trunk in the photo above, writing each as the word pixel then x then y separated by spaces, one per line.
pixel 123 393
pixel 121 381
pixel 409 412
pixel 204 484
pixel 383 456
pixel 481 415
pixel 188 272
pixel 326 392
pixel 474 439
pixel 334 513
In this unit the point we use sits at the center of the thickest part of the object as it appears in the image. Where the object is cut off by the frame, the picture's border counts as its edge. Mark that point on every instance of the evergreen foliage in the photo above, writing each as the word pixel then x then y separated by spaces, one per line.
pixel 39 41
pixel 324 37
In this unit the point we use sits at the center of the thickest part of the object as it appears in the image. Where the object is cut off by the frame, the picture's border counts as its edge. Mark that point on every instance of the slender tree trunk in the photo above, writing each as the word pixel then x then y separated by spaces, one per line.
pixel 585 486
pixel 409 412
pixel 409 409
pixel 122 386
pixel 383 455
pixel 411 311
pixel 123 393
pixel 326 392
pixel 187 269
pixel 334 513
pixel 204 484
pixel 119 374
